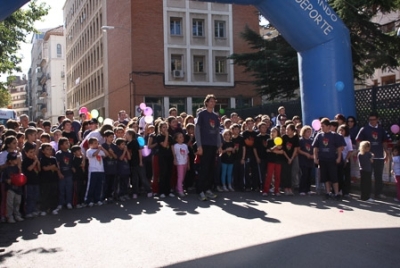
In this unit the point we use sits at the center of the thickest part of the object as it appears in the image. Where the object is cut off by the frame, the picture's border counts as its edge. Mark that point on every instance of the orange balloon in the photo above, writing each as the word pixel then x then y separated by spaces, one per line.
pixel 88 116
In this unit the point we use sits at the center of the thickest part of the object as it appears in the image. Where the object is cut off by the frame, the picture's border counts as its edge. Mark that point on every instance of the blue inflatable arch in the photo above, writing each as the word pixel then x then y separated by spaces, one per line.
pixel 322 42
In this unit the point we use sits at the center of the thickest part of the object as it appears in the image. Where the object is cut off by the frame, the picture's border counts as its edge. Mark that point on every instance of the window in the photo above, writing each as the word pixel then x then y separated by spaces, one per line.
pixel 176 62
pixel 58 51
pixel 389 27
pixel 220 65
pixel 386 80
pixel 219 29
pixel 198 26
pixel 198 64
pixel 176 26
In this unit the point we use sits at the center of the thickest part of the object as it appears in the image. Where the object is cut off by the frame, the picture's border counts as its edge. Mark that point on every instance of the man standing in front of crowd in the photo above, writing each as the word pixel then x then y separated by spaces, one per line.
pixel 208 143
pixel 378 138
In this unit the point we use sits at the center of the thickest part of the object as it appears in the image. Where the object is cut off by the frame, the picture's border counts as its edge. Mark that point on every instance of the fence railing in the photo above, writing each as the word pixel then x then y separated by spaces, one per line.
pixel 384 99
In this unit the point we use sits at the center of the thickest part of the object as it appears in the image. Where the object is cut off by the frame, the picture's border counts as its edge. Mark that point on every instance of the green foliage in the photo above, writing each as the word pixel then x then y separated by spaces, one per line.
pixel 274 62
pixel 5 98
pixel 13 31
pixel 371 48
pixel 273 65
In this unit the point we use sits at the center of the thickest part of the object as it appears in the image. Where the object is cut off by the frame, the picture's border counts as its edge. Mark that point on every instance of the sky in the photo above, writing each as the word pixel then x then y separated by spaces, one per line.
pixel 53 19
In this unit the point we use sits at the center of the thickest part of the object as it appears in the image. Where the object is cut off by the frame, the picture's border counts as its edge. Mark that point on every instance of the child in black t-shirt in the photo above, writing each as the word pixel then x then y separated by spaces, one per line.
pixel 123 168
pixel 78 176
pixel 13 192
pixel 110 167
pixel 31 169
pixel 49 180
pixel 252 177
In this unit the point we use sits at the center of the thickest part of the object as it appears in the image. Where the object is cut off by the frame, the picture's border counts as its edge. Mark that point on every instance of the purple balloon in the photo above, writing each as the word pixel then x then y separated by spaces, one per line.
pixel 148 111
pixel 146 151
pixel 142 106
pixel 395 129
pixel 316 124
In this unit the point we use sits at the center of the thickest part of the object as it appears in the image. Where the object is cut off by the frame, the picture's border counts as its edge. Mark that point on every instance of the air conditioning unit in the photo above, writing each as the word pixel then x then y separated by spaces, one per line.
pixel 177 73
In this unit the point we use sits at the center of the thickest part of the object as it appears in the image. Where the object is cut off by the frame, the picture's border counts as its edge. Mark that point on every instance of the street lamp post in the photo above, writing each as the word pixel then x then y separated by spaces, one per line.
pixel 132 85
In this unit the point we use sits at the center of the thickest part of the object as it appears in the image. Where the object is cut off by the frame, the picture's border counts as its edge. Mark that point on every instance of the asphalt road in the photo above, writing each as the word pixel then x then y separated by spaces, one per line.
pixel 235 230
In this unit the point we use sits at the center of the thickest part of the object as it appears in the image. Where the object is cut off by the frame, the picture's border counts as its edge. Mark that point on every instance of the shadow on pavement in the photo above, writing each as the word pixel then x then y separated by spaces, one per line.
pixel 244 205
pixel 349 248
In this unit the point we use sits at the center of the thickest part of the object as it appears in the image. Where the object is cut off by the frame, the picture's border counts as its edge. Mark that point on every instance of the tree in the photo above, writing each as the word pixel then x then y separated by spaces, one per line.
pixel 5 98
pixel 14 30
pixel 274 64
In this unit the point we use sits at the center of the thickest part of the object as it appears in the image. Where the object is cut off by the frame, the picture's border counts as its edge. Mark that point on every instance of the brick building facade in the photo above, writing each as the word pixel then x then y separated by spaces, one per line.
pixel 169 53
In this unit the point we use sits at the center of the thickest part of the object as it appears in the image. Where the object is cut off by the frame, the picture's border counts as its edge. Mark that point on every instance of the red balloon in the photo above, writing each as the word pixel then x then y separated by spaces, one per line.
pixel 18 179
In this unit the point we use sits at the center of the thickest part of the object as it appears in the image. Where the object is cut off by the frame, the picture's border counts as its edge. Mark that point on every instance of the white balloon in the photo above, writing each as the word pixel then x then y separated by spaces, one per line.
pixel 148 119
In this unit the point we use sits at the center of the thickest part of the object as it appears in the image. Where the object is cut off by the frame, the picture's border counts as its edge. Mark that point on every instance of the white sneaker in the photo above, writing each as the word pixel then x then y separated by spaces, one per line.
pixel 181 195
pixel 99 203
pixel 231 188
pixel 35 214
pixel 220 189
pixel 59 207
pixel 43 213
pixel 210 194
pixel 55 212
pixel 171 195
pixel 162 195
pixel 397 200
pixel 19 218
pixel 28 216
pixel 302 193
pixel 225 189
pixel 370 200
pixel 84 205
pixel 91 204
pixel 11 220
pixel 79 206
pixel 149 195
pixel 69 206
pixel 264 194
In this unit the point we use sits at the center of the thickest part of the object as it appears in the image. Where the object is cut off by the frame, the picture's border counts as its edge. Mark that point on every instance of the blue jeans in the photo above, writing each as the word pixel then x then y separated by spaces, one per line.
pixel 226 174
pixel 32 197
pixel 94 187
pixel 65 187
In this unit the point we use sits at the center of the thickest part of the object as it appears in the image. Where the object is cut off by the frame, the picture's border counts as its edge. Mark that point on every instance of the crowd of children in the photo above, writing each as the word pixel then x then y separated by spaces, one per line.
pixel 67 169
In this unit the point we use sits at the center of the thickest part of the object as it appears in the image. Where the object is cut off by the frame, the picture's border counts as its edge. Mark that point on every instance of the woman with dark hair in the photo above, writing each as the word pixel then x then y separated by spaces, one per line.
pixel 85 126
pixel 353 128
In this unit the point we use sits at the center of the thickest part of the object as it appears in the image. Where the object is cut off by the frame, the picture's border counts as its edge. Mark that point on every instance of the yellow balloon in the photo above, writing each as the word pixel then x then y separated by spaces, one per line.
pixel 278 141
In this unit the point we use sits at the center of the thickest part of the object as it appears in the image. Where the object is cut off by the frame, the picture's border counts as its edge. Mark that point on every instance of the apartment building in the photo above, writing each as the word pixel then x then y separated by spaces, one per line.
pixel 165 53
pixel 18 91
pixel 389 22
pixel 46 94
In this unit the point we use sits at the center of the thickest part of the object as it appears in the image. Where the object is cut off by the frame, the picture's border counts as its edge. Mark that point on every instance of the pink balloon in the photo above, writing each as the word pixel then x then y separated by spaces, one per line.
pixel 148 111
pixel 146 151
pixel 142 106
pixel 395 129
pixel 316 124
pixel 83 110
